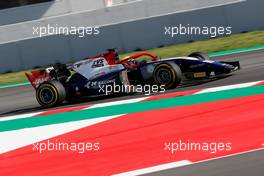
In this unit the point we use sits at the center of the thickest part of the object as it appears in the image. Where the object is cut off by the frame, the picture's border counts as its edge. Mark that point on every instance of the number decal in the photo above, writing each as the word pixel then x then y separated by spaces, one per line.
pixel 98 63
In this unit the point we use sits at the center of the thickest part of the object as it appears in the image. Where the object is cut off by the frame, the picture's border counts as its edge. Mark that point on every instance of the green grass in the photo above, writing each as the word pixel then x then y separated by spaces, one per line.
pixel 11 78
pixel 236 41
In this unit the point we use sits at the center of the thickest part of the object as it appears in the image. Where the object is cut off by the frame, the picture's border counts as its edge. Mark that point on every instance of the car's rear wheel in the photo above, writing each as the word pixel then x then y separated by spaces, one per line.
pixel 200 56
pixel 168 75
pixel 50 94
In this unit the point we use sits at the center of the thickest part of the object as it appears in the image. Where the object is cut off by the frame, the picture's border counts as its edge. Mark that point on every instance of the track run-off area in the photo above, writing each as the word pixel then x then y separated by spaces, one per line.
pixel 133 132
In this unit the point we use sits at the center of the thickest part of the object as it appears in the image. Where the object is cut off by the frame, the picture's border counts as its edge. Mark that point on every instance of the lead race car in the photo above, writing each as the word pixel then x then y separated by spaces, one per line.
pixel 86 78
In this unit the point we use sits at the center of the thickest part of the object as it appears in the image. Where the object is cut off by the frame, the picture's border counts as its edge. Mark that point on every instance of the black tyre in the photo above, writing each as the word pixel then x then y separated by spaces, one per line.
pixel 200 56
pixel 167 74
pixel 50 94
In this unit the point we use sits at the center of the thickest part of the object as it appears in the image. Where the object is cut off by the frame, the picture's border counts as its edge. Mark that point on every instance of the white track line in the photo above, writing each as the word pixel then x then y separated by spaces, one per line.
pixel 231 155
pixel 228 87
pixel 19 116
pixel 128 101
pixel 12 140
pixel 156 168
pixel 184 163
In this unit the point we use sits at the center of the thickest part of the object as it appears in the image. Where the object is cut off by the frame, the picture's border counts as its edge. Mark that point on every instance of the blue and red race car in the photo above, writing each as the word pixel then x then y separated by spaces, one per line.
pixel 88 77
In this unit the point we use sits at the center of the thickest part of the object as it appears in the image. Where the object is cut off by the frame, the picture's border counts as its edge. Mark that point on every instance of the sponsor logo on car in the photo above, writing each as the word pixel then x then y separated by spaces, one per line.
pixel 199 75
pixel 91 84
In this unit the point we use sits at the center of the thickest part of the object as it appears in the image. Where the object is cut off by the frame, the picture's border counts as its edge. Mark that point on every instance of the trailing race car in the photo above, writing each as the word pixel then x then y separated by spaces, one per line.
pixel 63 82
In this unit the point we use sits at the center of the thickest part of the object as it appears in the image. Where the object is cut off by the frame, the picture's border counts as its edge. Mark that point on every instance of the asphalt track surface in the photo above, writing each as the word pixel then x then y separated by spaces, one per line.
pixel 247 164
pixel 21 99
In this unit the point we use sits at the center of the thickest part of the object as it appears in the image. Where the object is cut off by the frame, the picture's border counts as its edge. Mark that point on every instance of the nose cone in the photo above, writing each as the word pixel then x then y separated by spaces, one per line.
pixel 229 67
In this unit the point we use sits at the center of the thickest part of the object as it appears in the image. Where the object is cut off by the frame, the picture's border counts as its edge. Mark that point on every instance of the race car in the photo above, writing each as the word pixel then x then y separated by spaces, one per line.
pixel 87 77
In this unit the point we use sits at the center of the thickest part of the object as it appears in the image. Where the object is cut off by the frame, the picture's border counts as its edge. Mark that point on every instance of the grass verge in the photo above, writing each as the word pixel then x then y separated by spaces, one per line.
pixel 236 41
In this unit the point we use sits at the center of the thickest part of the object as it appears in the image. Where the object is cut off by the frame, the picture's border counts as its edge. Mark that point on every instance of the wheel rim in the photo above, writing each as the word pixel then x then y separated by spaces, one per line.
pixel 164 76
pixel 46 95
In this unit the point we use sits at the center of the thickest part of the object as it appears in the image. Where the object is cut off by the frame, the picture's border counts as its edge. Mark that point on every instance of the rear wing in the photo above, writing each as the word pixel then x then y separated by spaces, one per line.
pixel 37 77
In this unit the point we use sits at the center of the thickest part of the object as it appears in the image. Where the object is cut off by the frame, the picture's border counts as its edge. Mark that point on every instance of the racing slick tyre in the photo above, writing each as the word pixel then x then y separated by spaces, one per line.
pixel 50 93
pixel 200 56
pixel 167 74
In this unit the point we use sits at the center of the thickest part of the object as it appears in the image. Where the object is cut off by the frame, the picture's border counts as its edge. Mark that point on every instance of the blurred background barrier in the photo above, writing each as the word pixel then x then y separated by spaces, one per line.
pixel 124 24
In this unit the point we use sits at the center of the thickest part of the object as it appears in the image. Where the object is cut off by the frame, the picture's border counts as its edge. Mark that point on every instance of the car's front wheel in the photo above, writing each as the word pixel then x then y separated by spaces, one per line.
pixel 167 74
pixel 50 94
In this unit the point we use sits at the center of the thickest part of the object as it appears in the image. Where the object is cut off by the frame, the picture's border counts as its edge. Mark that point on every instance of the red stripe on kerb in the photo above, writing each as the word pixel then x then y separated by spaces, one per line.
pixel 136 141
pixel 259 84
pixel 70 109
